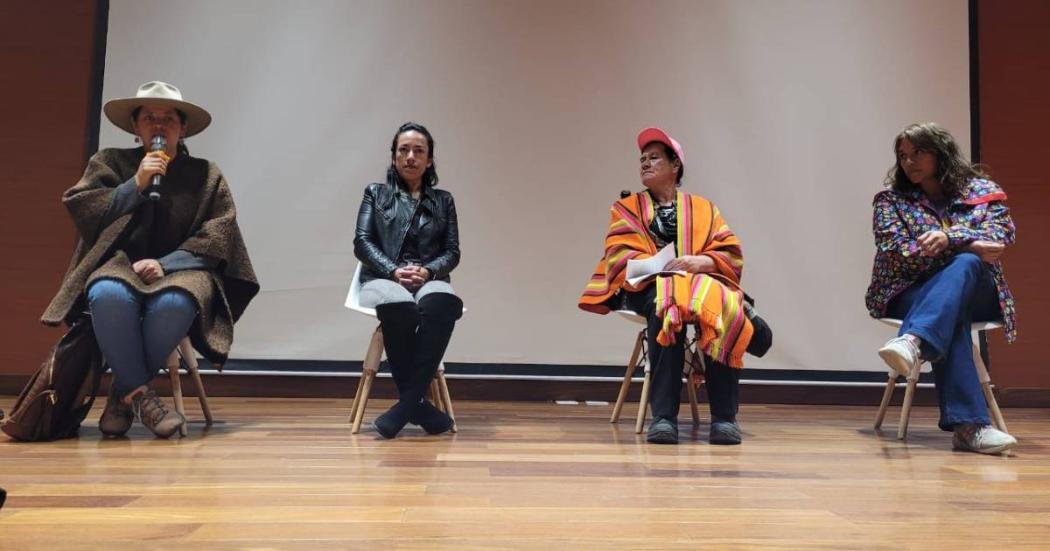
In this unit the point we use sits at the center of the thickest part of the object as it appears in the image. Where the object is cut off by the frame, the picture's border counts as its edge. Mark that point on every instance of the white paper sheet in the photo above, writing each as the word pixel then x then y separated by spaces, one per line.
pixel 639 270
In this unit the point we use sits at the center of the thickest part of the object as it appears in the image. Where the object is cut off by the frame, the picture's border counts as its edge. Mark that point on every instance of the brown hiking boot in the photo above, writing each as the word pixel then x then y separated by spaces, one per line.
pixel 116 418
pixel 151 412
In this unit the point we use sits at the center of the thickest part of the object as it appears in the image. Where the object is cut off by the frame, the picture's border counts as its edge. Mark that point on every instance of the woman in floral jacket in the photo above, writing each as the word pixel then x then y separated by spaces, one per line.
pixel 940 230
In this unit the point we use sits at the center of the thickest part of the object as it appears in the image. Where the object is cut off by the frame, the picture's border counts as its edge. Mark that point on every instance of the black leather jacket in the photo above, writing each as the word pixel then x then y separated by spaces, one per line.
pixel 383 222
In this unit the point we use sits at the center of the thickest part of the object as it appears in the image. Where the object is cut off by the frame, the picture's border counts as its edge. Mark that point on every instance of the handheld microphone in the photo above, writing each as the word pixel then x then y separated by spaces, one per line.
pixel 158 144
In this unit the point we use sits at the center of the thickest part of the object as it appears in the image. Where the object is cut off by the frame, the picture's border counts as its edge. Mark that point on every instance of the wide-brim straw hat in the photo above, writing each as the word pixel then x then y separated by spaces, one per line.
pixel 119 111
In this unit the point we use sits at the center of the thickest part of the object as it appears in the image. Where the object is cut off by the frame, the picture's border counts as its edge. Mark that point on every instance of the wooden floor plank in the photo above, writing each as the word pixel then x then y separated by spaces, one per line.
pixel 287 473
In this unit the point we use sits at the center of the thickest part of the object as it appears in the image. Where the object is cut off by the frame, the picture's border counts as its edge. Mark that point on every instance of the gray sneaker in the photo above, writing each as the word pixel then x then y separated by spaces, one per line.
pixel 662 431
pixel 725 433
pixel 902 355
pixel 981 439
pixel 151 412
pixel 116 417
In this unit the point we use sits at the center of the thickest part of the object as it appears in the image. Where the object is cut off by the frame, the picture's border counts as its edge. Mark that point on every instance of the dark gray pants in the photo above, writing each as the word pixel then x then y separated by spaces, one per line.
pixel 666 363
pixel 385 291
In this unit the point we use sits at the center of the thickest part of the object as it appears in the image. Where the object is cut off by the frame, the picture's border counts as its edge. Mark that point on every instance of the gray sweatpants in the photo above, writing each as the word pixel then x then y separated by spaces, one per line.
pixel 385 291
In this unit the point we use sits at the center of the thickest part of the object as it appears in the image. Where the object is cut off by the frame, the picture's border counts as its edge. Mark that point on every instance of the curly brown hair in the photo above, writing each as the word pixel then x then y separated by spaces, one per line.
pixel 953 170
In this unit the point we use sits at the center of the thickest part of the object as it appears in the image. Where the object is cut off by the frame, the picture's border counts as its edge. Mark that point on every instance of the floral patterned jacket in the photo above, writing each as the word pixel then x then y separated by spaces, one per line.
pixel 979 212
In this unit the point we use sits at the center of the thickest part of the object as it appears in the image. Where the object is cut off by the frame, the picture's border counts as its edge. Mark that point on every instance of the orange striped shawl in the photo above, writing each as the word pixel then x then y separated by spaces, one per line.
pixel 714 300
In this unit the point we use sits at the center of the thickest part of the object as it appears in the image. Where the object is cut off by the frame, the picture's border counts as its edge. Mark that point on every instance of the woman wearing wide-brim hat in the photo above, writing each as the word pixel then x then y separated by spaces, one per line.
pixel 154 263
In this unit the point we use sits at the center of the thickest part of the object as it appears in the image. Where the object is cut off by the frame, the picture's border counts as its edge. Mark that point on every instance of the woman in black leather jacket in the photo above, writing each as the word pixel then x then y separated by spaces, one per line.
pixel 407 240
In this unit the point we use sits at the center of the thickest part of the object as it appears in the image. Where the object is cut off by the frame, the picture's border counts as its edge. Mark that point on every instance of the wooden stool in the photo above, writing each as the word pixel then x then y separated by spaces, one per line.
pixel 913 378
pixel 438 388
pixel 370 367
pixel 694 363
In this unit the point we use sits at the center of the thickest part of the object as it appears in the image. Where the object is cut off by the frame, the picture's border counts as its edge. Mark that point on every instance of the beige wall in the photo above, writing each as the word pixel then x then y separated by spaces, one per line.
pixel 786 111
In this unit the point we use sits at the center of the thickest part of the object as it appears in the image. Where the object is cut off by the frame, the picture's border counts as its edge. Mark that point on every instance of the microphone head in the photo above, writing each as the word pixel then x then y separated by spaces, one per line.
pixel 158 144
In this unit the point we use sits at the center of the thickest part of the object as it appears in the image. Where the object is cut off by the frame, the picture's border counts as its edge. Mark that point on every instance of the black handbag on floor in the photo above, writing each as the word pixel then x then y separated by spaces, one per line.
pixel 59 395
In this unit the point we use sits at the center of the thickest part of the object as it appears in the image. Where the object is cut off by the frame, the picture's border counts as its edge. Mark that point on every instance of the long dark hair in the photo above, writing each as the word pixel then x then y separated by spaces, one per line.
pixel 430 175
pixel 953 170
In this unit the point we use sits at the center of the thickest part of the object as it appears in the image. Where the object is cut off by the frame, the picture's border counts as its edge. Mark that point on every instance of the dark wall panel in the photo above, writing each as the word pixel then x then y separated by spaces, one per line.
pixel 47 52
pixel 1014 68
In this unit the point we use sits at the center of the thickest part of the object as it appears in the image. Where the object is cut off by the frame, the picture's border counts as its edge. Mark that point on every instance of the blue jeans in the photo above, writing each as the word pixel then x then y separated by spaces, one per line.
pixel 939 311
pixel 136 333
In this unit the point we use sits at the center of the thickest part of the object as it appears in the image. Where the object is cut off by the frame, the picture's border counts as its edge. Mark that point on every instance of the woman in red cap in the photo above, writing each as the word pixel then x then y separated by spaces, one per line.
pixel 701 286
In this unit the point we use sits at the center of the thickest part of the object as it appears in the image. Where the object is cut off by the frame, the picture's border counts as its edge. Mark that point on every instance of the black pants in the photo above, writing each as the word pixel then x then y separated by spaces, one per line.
pixel 415 336
pixel 666 363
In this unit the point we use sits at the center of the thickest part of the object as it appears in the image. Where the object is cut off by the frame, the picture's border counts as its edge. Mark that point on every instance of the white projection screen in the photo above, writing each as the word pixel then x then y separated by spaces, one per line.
pixel 786 111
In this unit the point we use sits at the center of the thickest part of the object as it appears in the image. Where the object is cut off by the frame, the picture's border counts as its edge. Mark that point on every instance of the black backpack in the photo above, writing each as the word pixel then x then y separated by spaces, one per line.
pixel 59 395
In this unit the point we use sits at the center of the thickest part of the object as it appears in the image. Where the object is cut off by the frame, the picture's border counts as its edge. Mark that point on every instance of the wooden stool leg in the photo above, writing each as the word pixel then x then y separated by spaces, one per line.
pixel 691 365
pixel 366 383
pixel 446 398
pixel 374 354
pixel 435 394
pixel 694 363
pixel 691 391
pixel 986 383
pixel 357 399
pixel 642 404
pixel 176 388
pixel 202 396
pixel 993 406
pixel 190 359
pixel 369 368
pixel 909 395
pixel 632 364
pixel 887 395
pixel 439 392
pixel 997 415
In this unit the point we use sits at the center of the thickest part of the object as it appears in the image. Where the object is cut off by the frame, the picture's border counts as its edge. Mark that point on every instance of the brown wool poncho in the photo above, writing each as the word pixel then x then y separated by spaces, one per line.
pixel 196 215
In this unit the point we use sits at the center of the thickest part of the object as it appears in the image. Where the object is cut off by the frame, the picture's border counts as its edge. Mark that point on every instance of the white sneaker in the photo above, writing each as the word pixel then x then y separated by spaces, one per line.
pixel 981 439
pixel 901 354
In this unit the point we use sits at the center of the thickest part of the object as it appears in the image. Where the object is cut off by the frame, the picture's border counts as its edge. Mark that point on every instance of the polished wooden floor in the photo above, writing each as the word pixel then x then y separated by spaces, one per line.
pixel 287 474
